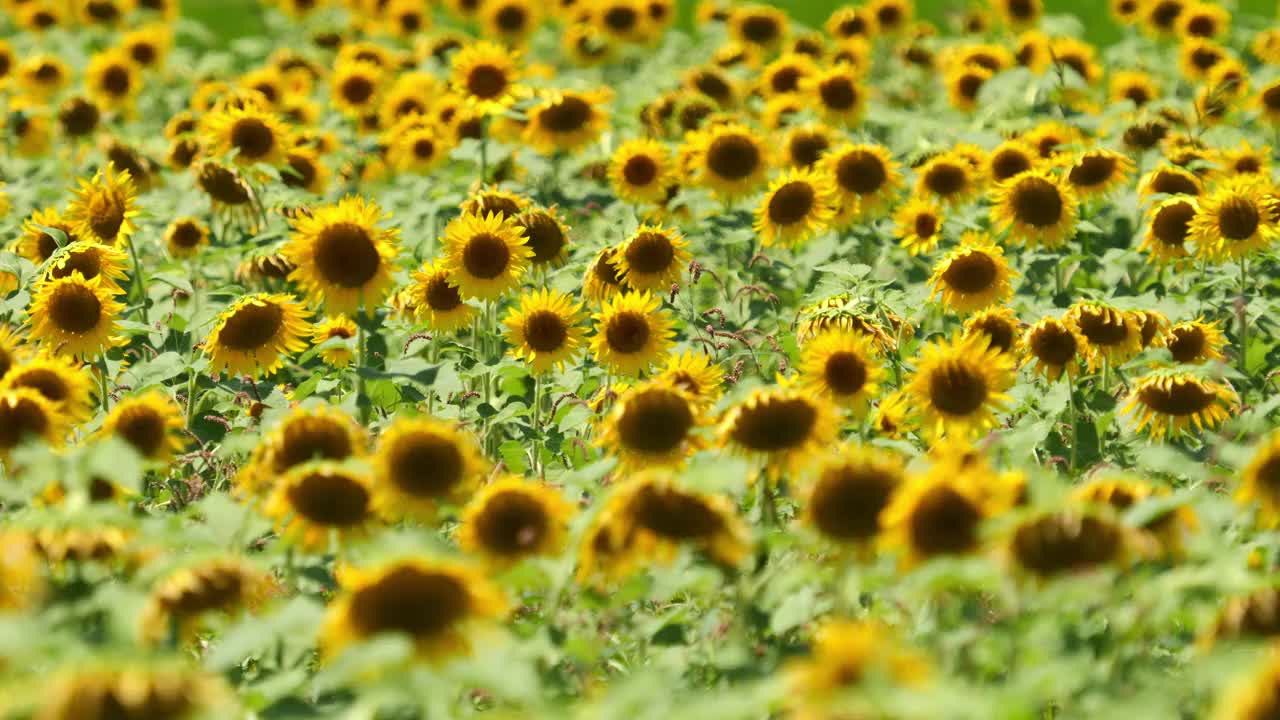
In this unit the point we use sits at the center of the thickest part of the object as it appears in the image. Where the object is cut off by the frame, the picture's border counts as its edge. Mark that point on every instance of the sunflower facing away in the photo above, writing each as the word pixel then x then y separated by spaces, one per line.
pixel 652 258
pixel 652 424
pixel 104 207
pixel 1234 221
pixel 919 225
pixel 959 385
pixel 183 598
pixel 485 255
pixel 797 207
pixel 973 276
pixel 1111 335
pixel 342 331
pixel 545 330
pixel 512 519
pixel 436 604
pixel 780 426
pixel 849 490
pixel 253 336
pixel 322 504
pixel 1167 404
pixel 1260 481
pixel 74 316
pixel 341 257
pixel 640 171
pixel 421 464
pixel 841 365
pixel 1035 208
pixel 436 301
pixel 632 333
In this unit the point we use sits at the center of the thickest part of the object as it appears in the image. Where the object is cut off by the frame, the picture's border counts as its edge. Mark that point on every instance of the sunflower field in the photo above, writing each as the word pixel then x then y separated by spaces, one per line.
pixel 522 359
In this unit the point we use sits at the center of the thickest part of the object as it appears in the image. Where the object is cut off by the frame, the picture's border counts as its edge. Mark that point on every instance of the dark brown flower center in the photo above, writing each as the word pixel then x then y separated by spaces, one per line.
pixel 569 114
pixel 487 82
pixel 330 498
pixel 957 388
pixel 786 79
pixel 486 256
pixel 806 149
pixel 627 332
pixel 1238 218
pixel 714 86
pixel 946 179
pixel 847 501
pixel 117 81
pixel 792 203
pixel 861 172
pixel 760 29
pixel 925 225
pixel 1174 183
pixel 223 185
pixel 346 256
pixel 640 170
pixel 304 171
pixel 144 429
pixel 838 93
pixel 88 263
pixel 425 465
pixel 186 235
pixel 621 18
pixel 674 515
pixel 1181 397
pixel 512 523
pixel 1053 345
pixel 441 296
pixel 605 271
pixel 1008 163
pixel 650 252
pixel 970 84
pixel 1092 170
pixel 1172 223
pixel 252 138
pixel 1164 13
pixel 944 522
pixel 655 422
pixel 971 273
pixel 1187 343
pixel 1103 327
pixel 545 331
pixel 845 373
pixel 511 19
pixel 1061 543
pixel 775 424
pixel 999 332
pixel 410 600
pixel 546 238
pixel 252 326
pixel 75 309
pixel 20 419
pixel 1037 202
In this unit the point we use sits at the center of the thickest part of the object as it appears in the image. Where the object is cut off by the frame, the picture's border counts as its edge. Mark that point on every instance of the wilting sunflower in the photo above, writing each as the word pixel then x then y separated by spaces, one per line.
pixel 568 120
pixel 112 80
pixel 1195 341
pixel 486 75
pixel 1066 542
pixel 1096 172
pixel 632 333
pixel 548 236
pixel 1169 403
pixel 1036 208
pixel 422 463
pixel 342 331
pixel 1111 335
pixel 322 504
pixel 134 690
pixel 26 415
pixel 1000 327
pixel 253 336
pixel 919 225
pixel 545 330
pixel 485 256
pixel 436 300
pixel 181 600
pixel 948 178
pixel 866 178
pixel 798 206
pixel 512 519
pixel 74 316
pixel 640 171
pixel 848 492
pixel 973 276
pixel 652 424
pixel 1169 229
pixel 1169 180
pixel 841 366
pixel 1234 221
pixel 780 426
pixel 959 385
pixel 697 374
pixel 104 207
pixel 836 94
pixel 731 160
pixel 185 237
pixel 342 258
pixel 939 513
pixel 91 260
pixel 151 423
pixel 255 135
pixel 1260 481
pixel 436 604
pixel 65 383
pixel 652 259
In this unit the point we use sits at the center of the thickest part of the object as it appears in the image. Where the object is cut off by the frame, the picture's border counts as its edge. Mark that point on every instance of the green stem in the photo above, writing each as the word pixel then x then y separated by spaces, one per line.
pixel 768 505
pixel 1071 404
pixel 139 280
pixel 537 426
pixel 1244 316
pixel 362 350
pixel 191 395
pixel 102 379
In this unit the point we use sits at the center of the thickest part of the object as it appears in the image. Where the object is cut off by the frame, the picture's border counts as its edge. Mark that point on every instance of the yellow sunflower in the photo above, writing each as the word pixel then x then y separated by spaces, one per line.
pixel 1195 341
pixel 512 519
pixel 417 146
pixel 959 386
pixel 798 206
pixel 973 276
pixel 1020 14
pixel 105 206
pixel 74 316
pixel 356 87
pixel 185 237
pixel 135 689
pixel 841 366
pixel 26 415
pixel 486 75
pixel 947 178
pixel 1036 208
pixel 652 259
pixel 964 84
pixel 846 657
pixel 343 259
pixel 322 504
pixel 183 598
pixel 1000 327
pixel 1260 480
pixel 640 171
pixel 730 160
pixel 806 146
pixel 781 426
pixel 848 22
pixel 632 333
pixel 919 224
pixel 91 260
pixel 1168 229
pixel 502 203
pixel 1096 172
pixel 836 94
pixel 255 135
pixel 1243 161
pixel 1169 404
pixel 485 256
pixel 151 423
pixel 940 513
pixel 568 120
pixel 652 424
pixel 1234 221
pixel 112 80
pixel 848 492
pixel 314 432
pixel 253 336
pixel 66 384
pixel 1169 180
pixel 13 349
pixel 545 330
pixel 547 234
pixel 422 463
pixel 1110 335
pixel 436 604
pixel 866 178
pixel 1135 86
pixel 1067 542
pixel 43 76
pixel 1267 101
pixel 697 374
pixel 342 331
pixel 436 300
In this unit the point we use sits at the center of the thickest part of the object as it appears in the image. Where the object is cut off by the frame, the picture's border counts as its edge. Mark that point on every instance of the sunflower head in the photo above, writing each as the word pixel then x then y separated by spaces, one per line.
pixel 1000 327
pixel 697 374
pixel 1066 542
pixel 947 178
pixel 422 464
pixel 356 87
pixel 545 330
pixel 487 255
pixel 185 237
pixel 973 276
pixel 1170 180
pixel 919 225
pixel 1260 481
pixel 837 94
pixel 652 424
pixel 652 259
pixel 1035 207
pixel 104 207
pixel 632 332
pixel 339 332
pixel 849 491
pixel 74 316
pixel 939 513
pixel 341 257
pixel 316 503
pixel 780 426
pixel 65 383
pixel 1195 341
pixel 1110 335
pixel 568 120
pixel 731 160
pixel 253 335
pixel 640 171
pixel 513 519
pixel 151 423
pixel 305 434
pixel 959 385
pixel 1234 221
pixel 842 366
pixel 1168 229
pixel 135 690
pixel 181 600
pixel 487 76
pixel 437 301
pixel 113 80
pixel 1164 404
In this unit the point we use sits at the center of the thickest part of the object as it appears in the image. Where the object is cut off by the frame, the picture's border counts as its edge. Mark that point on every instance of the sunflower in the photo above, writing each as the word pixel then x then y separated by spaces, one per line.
pixel 587 45
pixel 343 259
pixel 253 134
pixel 436 604
pixel 512 519
pixel 253 335
pixel 416 146
pixel 948 178
pixel 1169 180
pixel 509 21
pixel 1036 208
pixel 185 237
pixel 485 256
pixel 919 225
pixel 960 384
pixel 973 276
pixel 848 491
pixel 891 16
pixel 1066 542
pixel 939 513
pixel 486 75
pixel 797 206
pixel 1244 161
pixel 1195 341
pixel 805 147
pixel 847 656
pixel 836 94
pixel 1234 221
pixel 1260 480
pixel 841 366
pixel 356 87
pixel 75 316
pixel 964 85
pixel 697 374
pixel 1198 57
pixel 1020 14
pixel 1135 86
pixel 568 120
pixel 498 202
pixel 1268 102
pixel 759 27
pixel 148 45
pixel 66 384
pixel 104 207
pixel 866 178
pixel 421 463
pixel 1095 173
pixel 341 330
pixel 999 326
pixel 318 432
pixel 91 260
pixel 652 424
pixel 1126 12
pixel 317 503
pixel 112 80
pixel 632 332
pixel 25 414
pixel 1121 493
pixel 182 599
pixel 640 171
pixel 1076 55
pixel 731 160
pixel 42 76
pixel 1160 17
pixel 135 690
pixel 849 22
pixel 436 301
pixel 151 423
pixel 1169 403
pixel 79 116
pixel 780 426
pixel 545 330
pixel 1110 335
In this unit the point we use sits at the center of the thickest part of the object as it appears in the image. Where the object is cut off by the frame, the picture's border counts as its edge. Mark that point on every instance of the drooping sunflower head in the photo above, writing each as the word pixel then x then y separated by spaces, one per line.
pixel 652 259
pixel 253 336
pixel 253 134
pixel 568 120
pixel 1111 335
pixel 219 585
pixel 343 259
pixel 947 178
pixel 91 260
pixel 65 383
pixel 422 464
pixel 780 426
pixel 652 424
pixel 1260 481
pixel 849 491
pixel 486 75
pixel 436 604
pixel 842 366
pixel 512 519
pixel 697 374
pixel 436 301
pixel 1168 404
pixel 322 504
pixel 1169 180
pixel 836 94
pixel 919 224
pixel 104 207
pixel 1066 542
pixel 1234 221
pixel 938 513
pixel 336 334
pixel 973 276
pixel 1000 327
pixel 866 177
pixel 731 160
pixel 75 316
pixel 545 330
pixel 1035 207
pixel 632 332
pixel 640 171
pixel 485 256
pixel 1168 229
pixel 26 416
pixel 959 385
pixel 1195 341
pixel 185 237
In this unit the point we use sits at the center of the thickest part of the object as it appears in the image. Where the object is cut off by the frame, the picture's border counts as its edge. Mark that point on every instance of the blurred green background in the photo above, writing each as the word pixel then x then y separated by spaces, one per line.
pixel 231 18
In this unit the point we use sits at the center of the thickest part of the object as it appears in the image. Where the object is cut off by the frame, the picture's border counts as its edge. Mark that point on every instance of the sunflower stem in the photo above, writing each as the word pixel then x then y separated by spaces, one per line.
pixel 102 379
pixel 1071 405
pixel 191 395
pixel 1244 315
pixel 362 356
pixel 537 426
pixel 139 280
pixel 768 505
